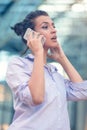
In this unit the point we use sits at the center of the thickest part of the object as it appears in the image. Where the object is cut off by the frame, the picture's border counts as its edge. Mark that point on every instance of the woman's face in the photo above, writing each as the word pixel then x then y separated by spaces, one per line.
pixel 46 27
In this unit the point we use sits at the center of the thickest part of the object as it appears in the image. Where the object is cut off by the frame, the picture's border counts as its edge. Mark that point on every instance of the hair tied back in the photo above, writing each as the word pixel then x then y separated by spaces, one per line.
pixel 18 29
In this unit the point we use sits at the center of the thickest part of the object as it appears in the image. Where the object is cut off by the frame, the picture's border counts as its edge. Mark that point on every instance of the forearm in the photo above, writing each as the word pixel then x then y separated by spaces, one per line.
pixel 70 70
pixel 36 82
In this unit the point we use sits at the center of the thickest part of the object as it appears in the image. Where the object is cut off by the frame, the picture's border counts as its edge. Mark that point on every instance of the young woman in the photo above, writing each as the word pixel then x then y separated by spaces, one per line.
pixel 40 93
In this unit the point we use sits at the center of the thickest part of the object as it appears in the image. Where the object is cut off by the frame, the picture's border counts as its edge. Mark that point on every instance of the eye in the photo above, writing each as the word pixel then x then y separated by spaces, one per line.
pixel 54 26
pixel 45 27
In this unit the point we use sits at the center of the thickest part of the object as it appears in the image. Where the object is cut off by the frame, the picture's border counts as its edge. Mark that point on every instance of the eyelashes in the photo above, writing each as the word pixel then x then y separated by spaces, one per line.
pixel 47 27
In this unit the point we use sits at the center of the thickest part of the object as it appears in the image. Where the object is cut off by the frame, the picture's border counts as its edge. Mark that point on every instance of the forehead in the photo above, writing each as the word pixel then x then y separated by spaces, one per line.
pixel 43 19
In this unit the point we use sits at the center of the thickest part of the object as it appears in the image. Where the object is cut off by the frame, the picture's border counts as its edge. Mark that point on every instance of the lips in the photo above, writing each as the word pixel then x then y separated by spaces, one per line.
pixel 54 38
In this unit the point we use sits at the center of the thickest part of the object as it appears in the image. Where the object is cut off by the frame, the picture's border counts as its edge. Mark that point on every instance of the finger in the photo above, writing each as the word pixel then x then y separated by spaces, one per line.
pixel 28 44
pixel 42 38
pixel 38 35
pixel 33 34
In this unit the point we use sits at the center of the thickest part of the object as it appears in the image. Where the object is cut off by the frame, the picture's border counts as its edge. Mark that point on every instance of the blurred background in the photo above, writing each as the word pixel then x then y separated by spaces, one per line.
pixel 70 18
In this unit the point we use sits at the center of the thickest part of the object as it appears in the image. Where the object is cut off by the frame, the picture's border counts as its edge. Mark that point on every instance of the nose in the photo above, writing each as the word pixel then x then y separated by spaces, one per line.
pixel 53 30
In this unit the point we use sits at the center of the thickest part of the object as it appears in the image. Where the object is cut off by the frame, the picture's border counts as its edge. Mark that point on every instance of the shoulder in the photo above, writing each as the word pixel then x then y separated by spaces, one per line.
pixel 18 60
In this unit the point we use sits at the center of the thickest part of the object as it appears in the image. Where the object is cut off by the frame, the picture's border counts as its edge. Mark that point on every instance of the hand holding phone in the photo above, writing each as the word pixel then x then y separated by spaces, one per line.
pixel 28 31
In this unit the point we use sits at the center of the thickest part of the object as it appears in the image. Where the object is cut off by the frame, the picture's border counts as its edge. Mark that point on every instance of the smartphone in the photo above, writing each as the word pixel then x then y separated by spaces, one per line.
pixel 26 35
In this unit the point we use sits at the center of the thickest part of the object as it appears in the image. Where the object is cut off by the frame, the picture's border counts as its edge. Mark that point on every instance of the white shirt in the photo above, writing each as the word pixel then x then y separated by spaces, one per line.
pixel 52 114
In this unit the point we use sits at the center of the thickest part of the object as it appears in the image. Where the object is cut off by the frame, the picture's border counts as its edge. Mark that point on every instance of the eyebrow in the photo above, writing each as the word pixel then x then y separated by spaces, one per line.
pixel 47 23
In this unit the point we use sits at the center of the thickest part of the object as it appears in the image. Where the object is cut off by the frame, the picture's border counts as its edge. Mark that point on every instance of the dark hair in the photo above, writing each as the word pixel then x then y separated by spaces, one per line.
pixel 29 22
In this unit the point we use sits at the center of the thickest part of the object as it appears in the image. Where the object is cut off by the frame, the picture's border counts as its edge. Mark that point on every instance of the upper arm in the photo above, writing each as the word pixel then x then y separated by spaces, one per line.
pixel 17 77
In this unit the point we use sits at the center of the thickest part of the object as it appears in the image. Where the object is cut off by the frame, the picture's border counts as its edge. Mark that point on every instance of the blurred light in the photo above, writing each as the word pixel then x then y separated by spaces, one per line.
pixel 85 1
pixel 60 1
pixel 4 58
pixel 52 8
pixel 78 8
pixel 85 7
pixel 2 93
pixel 3 67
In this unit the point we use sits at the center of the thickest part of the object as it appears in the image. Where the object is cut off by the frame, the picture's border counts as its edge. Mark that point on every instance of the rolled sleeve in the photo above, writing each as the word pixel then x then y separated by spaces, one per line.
pixel 24 94
pixel 17 77
pixel 76 91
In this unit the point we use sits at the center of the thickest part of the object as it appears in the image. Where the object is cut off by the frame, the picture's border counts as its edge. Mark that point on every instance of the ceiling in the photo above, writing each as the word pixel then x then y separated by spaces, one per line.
pixel 70 17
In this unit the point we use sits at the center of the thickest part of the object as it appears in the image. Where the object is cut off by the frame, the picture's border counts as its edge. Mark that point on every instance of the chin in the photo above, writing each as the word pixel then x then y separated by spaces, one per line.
pixel 54 44
pixel 51 45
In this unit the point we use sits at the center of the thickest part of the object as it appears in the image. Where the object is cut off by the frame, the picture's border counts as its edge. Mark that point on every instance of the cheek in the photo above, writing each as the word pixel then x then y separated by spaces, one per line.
pixel 45 33
pixel 47 37
pixel 47 40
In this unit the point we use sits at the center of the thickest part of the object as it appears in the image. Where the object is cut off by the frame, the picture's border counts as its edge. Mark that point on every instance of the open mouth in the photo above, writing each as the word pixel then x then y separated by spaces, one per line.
pixel 54 38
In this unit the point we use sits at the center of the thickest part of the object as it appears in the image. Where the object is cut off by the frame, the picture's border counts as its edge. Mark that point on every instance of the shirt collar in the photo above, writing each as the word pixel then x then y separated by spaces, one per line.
pixel 30 57
pixel 51 68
